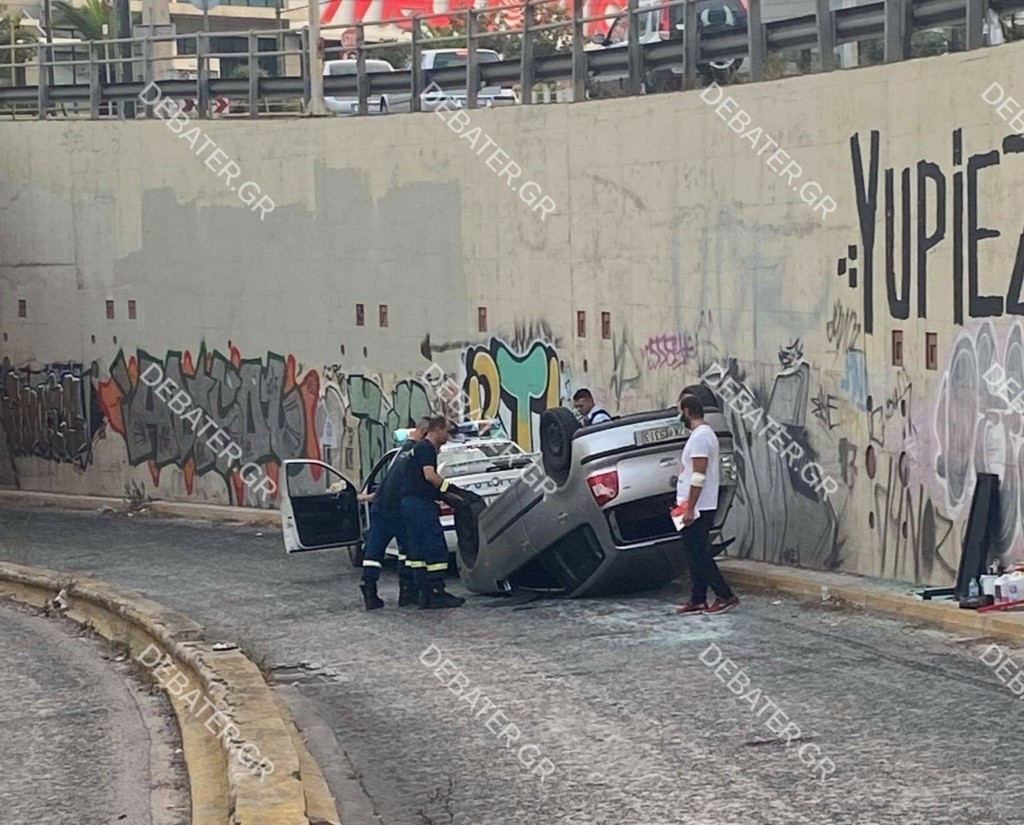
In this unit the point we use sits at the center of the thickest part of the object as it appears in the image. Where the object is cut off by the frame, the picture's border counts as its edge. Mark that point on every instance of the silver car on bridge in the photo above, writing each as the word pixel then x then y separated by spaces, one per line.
pixel 595 519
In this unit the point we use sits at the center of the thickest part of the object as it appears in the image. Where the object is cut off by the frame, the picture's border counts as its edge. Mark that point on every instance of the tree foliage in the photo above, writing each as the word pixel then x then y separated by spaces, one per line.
pixel 12 31
pixel 87 20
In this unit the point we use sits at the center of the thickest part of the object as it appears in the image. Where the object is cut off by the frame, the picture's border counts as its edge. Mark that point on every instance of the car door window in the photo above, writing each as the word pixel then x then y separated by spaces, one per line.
pixel 379 472
pixel 324 504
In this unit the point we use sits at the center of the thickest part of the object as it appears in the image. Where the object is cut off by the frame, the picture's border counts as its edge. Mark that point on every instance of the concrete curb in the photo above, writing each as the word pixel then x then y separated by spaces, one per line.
pixel 172 509
pixel 885 600
pixel 224 791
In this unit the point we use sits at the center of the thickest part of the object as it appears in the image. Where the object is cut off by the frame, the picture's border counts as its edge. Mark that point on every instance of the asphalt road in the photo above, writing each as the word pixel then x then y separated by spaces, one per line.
pixel 79 732
pixel 615 717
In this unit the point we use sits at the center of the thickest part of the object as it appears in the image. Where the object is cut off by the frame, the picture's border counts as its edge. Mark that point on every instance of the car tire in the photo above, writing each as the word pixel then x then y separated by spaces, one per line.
pixel 704 394
pixel 557 427
pixel 355 554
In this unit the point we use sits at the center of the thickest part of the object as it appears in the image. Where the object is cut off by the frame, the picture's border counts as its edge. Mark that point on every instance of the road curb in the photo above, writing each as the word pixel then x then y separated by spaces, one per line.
pixel 882 600
pixel 223 790
pixel 168 509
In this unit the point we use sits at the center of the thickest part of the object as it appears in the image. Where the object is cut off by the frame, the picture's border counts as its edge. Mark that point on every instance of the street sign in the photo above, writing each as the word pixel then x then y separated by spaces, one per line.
pixel 348 39
pixel 205 5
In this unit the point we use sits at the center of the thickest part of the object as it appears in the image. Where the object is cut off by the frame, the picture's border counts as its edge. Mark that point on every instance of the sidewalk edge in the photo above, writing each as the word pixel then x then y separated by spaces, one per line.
pixel 223 790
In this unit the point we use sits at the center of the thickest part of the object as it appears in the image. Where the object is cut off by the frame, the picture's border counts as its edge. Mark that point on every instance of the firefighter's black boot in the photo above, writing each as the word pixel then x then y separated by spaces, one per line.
pixel 406 593
pixel 438 597
pixel 371 601
pixel 422 596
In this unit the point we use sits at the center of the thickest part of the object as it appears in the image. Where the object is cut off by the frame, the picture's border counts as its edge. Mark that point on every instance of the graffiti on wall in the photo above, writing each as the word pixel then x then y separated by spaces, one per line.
pixel 777 515
pixel 931 210
pixel 843 332
pixel 358 416
pixel 515 383
pixel 671 351
pixel 976 430
pixel 626 377
pixel 262 405
pixel 52 412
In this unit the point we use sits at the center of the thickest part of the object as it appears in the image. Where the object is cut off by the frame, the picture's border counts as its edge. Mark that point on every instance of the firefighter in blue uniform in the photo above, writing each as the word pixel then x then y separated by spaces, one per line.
pixel 386 523
pixel 421 489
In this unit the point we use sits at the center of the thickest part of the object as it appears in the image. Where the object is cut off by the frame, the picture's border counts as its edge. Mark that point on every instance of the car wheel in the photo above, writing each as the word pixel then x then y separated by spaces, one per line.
pixel 557 427
pixel 355 554
pixel 383 106
pixel 704 395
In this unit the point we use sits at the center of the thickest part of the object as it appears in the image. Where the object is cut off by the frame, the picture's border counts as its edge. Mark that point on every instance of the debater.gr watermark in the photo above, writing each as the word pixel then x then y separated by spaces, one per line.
pixel 1009 389
pixel 173 116
pixel 182 404
pixel 742 401
pixel 777 723
pixel 809 191
pixel 177 683
pixel 498 161
pixel 457 682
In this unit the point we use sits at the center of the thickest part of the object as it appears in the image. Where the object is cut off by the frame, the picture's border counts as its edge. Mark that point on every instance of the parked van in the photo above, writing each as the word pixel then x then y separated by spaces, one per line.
pixel 433 59
pixel 378 104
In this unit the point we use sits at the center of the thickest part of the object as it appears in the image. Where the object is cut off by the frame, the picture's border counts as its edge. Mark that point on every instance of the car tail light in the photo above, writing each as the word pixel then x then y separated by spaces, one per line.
pixel 445 509
pixel 604 486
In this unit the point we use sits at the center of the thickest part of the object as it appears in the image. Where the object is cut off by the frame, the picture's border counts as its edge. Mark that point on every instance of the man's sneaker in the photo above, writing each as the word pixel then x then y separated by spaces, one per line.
pixel 690 607
pixel 723 606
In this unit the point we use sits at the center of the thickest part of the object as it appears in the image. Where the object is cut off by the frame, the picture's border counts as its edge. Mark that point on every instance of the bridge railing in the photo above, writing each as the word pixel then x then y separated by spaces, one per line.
pixel 106 78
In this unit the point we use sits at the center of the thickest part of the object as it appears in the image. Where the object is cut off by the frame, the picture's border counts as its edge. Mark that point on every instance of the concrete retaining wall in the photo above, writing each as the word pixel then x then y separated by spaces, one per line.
pixel 671 245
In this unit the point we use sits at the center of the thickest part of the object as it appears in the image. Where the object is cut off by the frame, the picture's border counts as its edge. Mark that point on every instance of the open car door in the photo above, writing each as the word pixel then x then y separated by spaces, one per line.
pixel 319 508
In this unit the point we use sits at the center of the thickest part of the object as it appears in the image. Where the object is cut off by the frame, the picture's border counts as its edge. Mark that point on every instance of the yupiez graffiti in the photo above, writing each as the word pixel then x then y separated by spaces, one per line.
pixel 264 408
pixel 516 385
pixel 52 412
pixel 935 214
pixel 778 515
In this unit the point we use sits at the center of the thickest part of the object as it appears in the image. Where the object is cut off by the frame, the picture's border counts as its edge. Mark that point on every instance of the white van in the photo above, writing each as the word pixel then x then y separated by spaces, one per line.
pixel 381 104
pixel 488 96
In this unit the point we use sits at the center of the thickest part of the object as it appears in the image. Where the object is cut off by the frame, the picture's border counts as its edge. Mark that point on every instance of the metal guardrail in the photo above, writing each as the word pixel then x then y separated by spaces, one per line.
pixel 137 60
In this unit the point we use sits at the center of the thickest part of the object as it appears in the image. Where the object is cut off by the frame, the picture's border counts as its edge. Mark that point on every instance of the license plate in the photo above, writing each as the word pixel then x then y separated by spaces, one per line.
pixel 655 435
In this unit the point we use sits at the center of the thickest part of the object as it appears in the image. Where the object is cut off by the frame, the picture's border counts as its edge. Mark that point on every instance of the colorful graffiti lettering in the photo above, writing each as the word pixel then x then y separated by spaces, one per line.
pixel 514 384
pixel 977 431
pixel 263 407
pixel 668 351
pixel 379 415
pixel 52 412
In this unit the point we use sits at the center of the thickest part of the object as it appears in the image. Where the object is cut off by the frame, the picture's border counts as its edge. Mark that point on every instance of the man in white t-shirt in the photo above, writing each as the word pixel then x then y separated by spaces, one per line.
pixel 697 487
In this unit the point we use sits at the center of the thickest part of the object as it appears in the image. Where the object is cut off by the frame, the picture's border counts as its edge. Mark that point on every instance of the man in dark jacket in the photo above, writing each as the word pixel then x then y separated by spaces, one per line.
pixel 386 524
pixel 422 487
